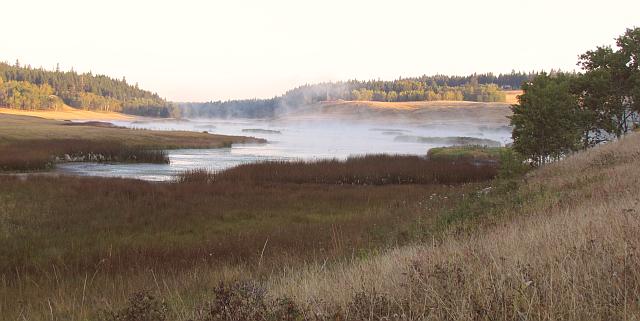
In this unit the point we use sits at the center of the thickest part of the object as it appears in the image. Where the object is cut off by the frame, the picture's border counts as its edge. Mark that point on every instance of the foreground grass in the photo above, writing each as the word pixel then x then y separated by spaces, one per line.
pixel 30 143
pixel 70 252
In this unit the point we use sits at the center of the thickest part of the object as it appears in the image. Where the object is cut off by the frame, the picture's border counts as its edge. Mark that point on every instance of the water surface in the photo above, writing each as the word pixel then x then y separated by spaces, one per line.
pixel 289 140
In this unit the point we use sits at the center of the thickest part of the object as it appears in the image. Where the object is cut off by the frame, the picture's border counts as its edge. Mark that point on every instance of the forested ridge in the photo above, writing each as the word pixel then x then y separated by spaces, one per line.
pixel 24 87
pixel 477 87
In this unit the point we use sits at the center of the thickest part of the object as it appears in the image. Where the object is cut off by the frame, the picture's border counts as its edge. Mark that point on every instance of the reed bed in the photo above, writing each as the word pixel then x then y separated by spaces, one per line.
pixel 116 229
pixel 362 170
pixel 43 154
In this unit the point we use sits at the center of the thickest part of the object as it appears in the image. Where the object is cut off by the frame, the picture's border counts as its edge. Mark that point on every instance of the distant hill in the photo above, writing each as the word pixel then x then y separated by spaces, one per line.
pixel 27 88
pixel 422 113
pixel 476 87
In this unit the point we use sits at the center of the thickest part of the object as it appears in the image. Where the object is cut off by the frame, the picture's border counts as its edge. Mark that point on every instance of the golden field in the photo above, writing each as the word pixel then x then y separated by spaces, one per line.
pixel 68 113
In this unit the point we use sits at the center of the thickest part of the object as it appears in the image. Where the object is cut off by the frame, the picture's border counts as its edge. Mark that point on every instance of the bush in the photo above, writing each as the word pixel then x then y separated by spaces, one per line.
pixel 142 307
pixel 512 164
pixel 246 301
pixel 466 152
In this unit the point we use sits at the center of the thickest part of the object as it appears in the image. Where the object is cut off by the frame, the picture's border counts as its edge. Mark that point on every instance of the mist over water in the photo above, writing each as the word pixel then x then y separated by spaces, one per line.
pixel 291 139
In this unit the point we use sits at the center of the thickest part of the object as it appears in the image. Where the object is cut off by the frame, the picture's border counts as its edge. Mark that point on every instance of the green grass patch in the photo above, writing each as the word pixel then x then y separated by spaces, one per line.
pixel 466 152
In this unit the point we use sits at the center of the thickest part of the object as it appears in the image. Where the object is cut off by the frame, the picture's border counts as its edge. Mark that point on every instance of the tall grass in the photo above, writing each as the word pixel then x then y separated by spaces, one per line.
pixel 363 170
pixel 123 224
pixel 86 236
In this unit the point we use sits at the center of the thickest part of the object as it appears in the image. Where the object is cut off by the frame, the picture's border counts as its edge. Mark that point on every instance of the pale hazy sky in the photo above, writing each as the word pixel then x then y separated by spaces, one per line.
pixel 196 50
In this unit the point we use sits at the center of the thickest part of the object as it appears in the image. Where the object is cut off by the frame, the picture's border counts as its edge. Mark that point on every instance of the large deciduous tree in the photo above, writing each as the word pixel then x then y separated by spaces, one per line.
pixel 546 122
pixel 609 87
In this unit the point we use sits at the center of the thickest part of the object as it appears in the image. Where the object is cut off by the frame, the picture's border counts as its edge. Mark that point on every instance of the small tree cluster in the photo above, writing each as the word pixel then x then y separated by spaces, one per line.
pixel 25 95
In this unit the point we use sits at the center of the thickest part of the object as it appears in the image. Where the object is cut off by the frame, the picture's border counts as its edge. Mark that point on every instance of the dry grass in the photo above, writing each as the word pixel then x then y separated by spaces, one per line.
pixel 408 105
pixel 569 251
pixel 71 251
pixel 511 96
pixel 419 112
pixel 67 113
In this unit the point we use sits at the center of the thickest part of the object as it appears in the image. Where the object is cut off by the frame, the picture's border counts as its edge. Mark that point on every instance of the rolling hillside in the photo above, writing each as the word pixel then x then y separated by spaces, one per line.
pixel 559 244
pixel 416 111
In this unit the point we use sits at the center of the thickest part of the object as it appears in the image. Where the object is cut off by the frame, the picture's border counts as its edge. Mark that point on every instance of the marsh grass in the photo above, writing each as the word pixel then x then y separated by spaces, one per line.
pixel 362 170
pixel 466 152
pixel 43 154
pixel 200 231
pixel 123 224
pixel 30 143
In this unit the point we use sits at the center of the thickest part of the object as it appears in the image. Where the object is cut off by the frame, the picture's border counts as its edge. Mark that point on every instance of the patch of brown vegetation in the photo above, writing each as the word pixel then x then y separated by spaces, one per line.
pixel 122 234
pixel 362 170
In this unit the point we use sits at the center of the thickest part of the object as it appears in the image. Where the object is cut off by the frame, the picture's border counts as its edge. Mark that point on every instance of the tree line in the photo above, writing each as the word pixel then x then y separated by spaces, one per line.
pixel 477 87
pixel 36 88
pixel 560 113
pixel 481 93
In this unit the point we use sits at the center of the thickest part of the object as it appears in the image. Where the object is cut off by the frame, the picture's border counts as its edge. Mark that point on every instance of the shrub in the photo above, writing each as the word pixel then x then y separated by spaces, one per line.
pixel 512 164
pixel 246 301
pixel 142 307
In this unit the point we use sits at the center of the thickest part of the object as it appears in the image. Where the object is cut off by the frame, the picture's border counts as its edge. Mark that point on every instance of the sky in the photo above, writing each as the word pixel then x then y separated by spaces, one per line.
pixel 197 50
